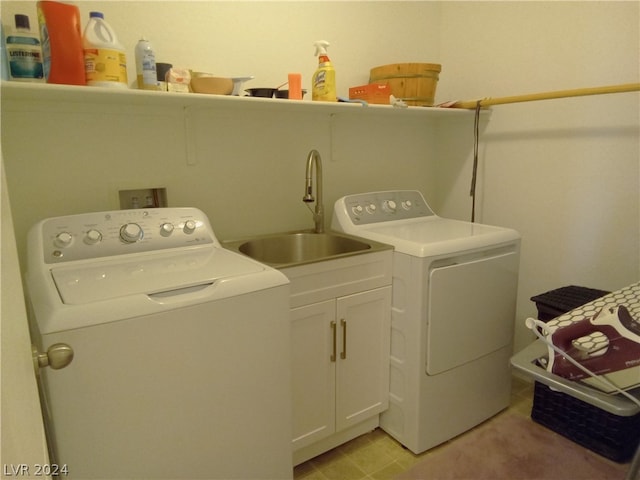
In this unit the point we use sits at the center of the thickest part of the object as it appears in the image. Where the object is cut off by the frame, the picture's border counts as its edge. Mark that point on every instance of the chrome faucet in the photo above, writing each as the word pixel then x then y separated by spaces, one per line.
pixel 318 213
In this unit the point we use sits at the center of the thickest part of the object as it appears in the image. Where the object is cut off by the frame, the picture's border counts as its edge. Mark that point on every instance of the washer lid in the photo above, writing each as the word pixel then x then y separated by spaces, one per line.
pixel 149 274
pixel 431 236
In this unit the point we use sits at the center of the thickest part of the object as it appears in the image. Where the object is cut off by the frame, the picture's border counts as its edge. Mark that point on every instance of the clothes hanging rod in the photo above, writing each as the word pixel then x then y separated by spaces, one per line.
pixel 577 92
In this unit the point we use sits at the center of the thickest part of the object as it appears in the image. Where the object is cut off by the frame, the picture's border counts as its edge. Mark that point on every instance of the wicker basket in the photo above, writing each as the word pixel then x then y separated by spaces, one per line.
pixel 554 303
pixel 612 436
pixel 415 83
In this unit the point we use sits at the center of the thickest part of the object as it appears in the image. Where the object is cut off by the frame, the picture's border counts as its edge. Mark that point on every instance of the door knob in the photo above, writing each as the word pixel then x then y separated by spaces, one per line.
pixel 57 356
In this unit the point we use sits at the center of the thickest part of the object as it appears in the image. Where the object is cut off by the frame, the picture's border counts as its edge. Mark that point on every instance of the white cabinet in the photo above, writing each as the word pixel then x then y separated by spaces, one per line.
pixel 363 324
pixel 340 352
pixel 313 373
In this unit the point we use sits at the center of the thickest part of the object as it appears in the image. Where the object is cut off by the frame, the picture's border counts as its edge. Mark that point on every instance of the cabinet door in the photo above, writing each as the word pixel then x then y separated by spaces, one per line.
pixel 312 338
pixel 362 376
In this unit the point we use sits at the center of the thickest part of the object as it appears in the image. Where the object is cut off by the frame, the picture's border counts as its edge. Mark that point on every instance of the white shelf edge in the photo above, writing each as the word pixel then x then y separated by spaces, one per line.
pixel 81 94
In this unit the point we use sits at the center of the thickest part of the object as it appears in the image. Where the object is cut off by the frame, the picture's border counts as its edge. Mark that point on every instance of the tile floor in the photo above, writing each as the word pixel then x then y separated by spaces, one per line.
pixel 377 456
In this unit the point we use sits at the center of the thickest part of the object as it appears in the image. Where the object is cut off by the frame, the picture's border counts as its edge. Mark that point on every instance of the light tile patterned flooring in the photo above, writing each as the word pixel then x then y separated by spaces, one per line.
pixel 377 456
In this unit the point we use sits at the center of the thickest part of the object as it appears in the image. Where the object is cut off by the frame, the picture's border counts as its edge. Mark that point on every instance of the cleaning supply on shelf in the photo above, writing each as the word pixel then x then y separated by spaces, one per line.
pixel 4 65
pixel 24 52
pixel 323 83
pixel 105 62
pixel 146 73
pixel 61 35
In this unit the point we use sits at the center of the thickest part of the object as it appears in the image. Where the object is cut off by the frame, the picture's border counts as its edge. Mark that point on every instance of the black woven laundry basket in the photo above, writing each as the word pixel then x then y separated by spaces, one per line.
pixel 561 300
pixel 612 436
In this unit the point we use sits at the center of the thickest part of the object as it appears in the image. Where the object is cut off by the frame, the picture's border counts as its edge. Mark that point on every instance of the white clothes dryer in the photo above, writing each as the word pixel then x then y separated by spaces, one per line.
pixel 453 314
pixel 181 363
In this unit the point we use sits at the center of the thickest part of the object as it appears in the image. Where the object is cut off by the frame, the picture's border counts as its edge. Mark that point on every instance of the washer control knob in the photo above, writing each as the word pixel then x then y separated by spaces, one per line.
pixel 131 232
pixel 407 204
pixel 371 208
pixel 166 229
pixel 189 226
pixel 63 239
pixel 357 210
pixel 389 206
pixel 92 237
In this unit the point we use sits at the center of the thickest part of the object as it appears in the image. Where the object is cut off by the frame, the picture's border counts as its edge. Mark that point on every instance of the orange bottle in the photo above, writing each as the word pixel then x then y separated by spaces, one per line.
pixel 61 36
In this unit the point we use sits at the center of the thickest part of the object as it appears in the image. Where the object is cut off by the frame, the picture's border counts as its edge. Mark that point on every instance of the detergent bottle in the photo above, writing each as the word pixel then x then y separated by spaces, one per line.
pixel 61 35
pixel 323 83
pixel 105 62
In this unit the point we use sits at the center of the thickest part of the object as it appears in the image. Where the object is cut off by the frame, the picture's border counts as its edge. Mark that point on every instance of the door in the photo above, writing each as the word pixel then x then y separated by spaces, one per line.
pixel 362 379
pixel 22 441
pixel 471 310
pixel 312 333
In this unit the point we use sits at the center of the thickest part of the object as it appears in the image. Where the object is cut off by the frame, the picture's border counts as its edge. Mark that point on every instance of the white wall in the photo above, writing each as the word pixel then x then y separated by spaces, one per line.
pixel 248 166
pixel 268 39
pixel 565 173
pixel 22 439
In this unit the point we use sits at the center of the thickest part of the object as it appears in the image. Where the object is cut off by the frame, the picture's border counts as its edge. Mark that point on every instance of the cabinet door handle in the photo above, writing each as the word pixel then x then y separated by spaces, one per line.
pixel 343 322
pixel 333 329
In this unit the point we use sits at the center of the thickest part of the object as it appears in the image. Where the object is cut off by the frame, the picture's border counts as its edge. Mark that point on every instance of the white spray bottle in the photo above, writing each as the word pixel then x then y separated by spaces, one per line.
pixel 147 77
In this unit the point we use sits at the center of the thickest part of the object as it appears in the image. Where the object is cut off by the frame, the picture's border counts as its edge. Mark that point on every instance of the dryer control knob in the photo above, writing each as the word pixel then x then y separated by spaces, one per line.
pixel 63 239
pixel 131 232
pixel 189 226
pixel 389 206
pixel 407 204
pixel 371 208
pixel 92 237
pixel 357 210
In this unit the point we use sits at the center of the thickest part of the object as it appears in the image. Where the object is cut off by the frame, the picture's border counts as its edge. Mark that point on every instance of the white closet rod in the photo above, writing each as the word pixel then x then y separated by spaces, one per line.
pixel 577 92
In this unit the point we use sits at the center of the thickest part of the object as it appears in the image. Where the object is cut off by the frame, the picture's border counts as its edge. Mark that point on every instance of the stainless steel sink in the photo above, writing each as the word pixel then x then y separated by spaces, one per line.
pixel 295 248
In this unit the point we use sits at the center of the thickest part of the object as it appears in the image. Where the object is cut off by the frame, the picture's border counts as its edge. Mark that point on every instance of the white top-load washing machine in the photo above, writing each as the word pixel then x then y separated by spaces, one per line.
pixel 181 366
pixel 453 314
